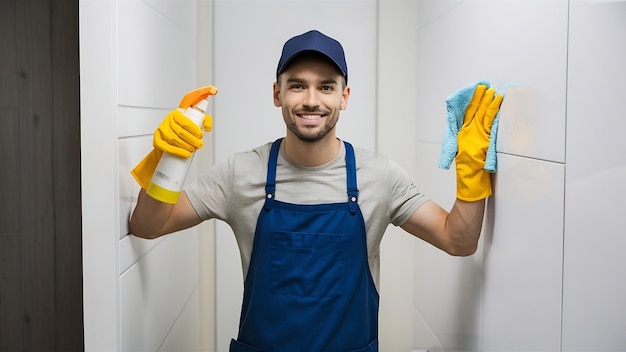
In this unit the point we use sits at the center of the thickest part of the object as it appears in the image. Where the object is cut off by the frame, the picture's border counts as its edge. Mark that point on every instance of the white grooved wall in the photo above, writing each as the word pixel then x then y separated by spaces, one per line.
pixel 138 59
pixel 548 275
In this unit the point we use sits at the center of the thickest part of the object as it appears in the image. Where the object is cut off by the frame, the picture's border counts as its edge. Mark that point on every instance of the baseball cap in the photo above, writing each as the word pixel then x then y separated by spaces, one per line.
pixel 313 41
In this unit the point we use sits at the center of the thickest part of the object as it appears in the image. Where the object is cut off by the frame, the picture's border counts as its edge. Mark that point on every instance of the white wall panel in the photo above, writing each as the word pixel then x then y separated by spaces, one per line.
pixel 522 257
pixel 523 44
pixel 131 151
pixel 98 94
pixel 465 41
pixel 522 266
pixel 155 290
pixel 594 308
pixel 508 297
pixel 447 289
pixel 228 286
pixel 137 121
pixel 156 66
pixel 156 51
pixel 185 335
pixel 447 60
pixel 132 249
pixel 395 135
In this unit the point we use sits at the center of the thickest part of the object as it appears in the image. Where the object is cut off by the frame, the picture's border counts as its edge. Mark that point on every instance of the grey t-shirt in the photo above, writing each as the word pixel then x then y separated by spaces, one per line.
pixel 234 191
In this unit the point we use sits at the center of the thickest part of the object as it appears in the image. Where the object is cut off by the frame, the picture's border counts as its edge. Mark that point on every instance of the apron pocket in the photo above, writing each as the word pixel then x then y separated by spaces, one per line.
pixel 372 347
pixel 308 264
pixel 236 346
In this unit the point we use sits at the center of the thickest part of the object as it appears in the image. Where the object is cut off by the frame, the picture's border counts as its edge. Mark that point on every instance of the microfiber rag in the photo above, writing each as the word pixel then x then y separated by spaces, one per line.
pixel 456 104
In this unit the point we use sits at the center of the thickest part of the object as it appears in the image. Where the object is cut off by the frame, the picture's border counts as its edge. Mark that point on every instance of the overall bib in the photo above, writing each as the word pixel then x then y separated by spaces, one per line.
pixel 309 287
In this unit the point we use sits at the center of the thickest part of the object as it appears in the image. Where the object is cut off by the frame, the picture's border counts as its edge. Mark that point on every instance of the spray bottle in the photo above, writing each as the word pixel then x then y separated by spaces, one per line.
pixel 169 177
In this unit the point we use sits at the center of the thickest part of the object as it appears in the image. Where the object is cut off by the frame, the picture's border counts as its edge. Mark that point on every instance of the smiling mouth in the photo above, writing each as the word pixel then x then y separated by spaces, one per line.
pixel 310 117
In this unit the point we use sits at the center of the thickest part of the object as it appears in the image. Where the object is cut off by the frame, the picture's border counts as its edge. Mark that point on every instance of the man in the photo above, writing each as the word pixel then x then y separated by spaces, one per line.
pixel 309 210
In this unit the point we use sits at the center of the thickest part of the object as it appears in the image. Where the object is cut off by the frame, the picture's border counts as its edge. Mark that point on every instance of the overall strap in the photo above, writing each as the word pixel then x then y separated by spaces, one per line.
pixel 353 191
pixel 270 183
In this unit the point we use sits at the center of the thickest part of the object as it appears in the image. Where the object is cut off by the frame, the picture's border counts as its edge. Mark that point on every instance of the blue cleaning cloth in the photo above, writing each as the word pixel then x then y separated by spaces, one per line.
pixel 456 104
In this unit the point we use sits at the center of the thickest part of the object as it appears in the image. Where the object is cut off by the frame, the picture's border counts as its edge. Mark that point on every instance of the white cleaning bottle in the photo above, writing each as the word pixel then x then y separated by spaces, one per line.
pixel 169 177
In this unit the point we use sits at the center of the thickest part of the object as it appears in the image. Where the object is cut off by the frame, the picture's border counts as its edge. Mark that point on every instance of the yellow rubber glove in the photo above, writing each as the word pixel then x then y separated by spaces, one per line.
pixel 177 135
pixel 472 181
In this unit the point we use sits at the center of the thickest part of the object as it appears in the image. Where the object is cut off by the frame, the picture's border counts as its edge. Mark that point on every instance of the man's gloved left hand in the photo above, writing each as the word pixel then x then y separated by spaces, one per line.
pixel 473 182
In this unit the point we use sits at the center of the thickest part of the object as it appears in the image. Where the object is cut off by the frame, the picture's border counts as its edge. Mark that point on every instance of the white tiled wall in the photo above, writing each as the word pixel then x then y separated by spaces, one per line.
pixel 395 135
pixel 522 257
pixel 99 175
pixel 156 45
pixel 547 275
pixel 594 309
pixel 155 292
pixel 149 60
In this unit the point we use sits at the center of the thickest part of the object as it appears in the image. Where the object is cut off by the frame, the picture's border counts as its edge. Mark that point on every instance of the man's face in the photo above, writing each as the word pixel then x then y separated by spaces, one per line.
pixel 311 94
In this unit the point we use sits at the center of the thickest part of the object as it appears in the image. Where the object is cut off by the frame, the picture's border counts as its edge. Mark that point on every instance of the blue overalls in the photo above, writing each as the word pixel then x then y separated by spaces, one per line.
pixel 309 287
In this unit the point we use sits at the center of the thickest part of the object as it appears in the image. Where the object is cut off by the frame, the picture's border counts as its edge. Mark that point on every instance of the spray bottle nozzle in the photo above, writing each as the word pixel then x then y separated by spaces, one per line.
pixel 193 97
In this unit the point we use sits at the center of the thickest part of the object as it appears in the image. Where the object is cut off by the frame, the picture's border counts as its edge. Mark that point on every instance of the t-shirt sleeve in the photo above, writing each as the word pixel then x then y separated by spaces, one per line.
pixel 406 197
pixel 209 195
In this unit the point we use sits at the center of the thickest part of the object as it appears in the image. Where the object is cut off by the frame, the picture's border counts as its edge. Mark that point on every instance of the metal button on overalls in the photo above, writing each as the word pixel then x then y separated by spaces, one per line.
pixel 309 287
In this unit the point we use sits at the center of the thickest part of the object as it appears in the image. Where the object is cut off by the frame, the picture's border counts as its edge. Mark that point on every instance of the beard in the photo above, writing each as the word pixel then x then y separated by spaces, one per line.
pixel 308 134
pixel 311 135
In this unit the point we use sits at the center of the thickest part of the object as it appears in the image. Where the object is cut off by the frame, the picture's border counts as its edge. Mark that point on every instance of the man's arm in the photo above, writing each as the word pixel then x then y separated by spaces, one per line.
pixel 152 218
pixel 456 232
pixel 179 136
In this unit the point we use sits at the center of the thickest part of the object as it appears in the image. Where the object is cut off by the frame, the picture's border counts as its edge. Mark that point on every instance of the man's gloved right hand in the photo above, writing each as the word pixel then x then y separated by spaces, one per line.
pixel 176 135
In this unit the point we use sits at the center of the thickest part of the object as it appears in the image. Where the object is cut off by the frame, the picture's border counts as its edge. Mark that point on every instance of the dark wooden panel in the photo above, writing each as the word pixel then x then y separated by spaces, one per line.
pixel 36 172
pixel 10 293
pixel 10 249
pixel 9 175
pixel 66 161
pixel 40 202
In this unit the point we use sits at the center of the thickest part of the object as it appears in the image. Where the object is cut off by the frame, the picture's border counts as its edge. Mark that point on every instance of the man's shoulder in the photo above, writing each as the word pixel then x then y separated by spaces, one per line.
pixel 260 152
pixel 367 156
pixel 375 165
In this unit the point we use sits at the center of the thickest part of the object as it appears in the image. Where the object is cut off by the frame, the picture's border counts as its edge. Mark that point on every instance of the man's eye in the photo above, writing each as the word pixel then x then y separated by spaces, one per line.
pixel 327 88
pixel 296 86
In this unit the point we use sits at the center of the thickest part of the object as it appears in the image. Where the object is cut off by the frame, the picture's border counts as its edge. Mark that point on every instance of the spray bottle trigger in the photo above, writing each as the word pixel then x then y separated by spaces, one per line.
pixel 197 95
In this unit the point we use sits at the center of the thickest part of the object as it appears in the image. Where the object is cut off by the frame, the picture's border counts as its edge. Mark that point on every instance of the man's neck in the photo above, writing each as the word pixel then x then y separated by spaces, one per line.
pixel 310 154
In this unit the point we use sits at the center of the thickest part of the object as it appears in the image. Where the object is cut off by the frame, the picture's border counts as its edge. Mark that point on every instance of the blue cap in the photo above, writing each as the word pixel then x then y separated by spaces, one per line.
pixel 313 41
